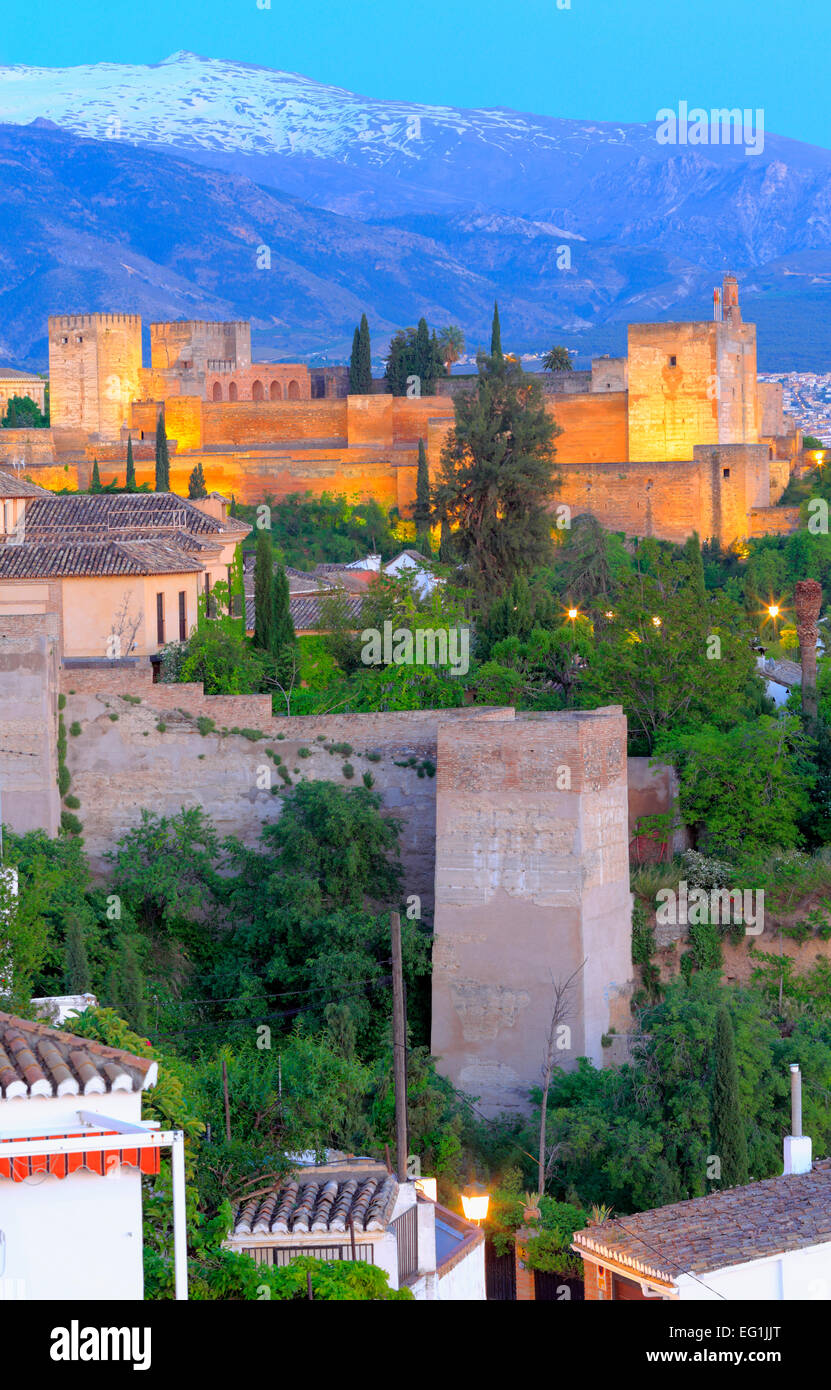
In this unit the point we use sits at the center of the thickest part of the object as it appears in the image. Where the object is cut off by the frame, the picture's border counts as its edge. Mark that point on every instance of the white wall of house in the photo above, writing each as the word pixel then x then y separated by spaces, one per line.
pixel 795 1274
pixel 465 1281
pixel 78 1237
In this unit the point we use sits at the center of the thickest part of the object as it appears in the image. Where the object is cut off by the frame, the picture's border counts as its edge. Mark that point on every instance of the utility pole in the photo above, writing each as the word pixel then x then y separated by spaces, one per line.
pixel 399 1050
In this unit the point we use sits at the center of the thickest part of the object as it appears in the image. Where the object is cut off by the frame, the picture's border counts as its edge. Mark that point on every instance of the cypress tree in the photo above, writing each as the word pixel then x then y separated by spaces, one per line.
pixel 131 986
pixel 162 457
pixel 692 550
pixel 130 481
pixel 496 333
pixel 364 360
pixel 76 966
pixel 264 593
pixel 232 510
pixel 421 510
pixel 196 482
pixel 13 413
pixel 423 358
pixel 353 362
pixel 95 483
pixel 729 1135
pixel 284 634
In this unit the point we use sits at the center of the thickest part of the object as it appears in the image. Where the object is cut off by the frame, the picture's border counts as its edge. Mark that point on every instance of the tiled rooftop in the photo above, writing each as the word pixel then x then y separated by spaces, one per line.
pixel 724 1228
pixel 12 486
pixel 102 514
pixel 321 1201
pixel 36 1060
pixel 95 557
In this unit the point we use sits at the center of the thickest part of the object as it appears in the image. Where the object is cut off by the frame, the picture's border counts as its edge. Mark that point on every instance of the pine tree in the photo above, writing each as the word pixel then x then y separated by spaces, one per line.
pixel 264 593
pixel 497 476
pixel 130 481
pixel 421 510
pixel 353 362
pixel 423 358
pixel 729 1134
pixel 162 457
pixel 196 482
pixel 76 964
pixel 364 360
pixel 496 333
pixel 95 481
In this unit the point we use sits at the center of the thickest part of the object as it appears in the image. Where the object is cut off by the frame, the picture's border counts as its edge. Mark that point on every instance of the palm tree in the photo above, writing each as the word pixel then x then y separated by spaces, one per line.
pixel 452 344
pixel 557 359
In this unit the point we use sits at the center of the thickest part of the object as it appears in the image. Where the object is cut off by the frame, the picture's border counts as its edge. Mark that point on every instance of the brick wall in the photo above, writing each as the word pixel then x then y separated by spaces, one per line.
pixel 594 427
pixel 249 422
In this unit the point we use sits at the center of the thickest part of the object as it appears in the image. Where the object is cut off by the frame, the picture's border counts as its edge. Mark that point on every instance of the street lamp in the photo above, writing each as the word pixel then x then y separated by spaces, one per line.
pixel 572 613
pixel 475 1202
pixel 656 622
pixel 773 610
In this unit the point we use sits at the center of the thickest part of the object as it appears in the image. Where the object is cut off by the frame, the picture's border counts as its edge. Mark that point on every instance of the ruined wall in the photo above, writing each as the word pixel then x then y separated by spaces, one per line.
pixel 29 655
pixel 532 880
pixel 94 366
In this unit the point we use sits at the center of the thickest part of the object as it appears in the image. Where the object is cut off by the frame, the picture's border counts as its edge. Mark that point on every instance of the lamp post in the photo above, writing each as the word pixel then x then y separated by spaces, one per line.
pixel 475 1202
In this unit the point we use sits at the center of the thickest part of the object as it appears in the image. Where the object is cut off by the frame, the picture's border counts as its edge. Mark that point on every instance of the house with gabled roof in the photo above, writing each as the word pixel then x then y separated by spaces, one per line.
pixel 73 1149
pixel 124 571
pixel 356 1209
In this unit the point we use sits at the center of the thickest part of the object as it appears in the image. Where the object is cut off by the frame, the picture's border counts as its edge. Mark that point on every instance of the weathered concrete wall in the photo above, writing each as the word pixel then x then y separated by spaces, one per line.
pixel 532 885
pixel 29 654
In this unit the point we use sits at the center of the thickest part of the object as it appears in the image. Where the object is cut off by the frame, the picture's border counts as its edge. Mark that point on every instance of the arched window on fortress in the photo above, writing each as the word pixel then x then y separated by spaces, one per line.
pixel 232 391
pixel 216 394
pixel 275 391
pixel 257 392
pixel 294 391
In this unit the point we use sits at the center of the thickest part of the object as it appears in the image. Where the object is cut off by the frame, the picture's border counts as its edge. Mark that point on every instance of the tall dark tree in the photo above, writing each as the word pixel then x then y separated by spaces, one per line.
pixel 284 634
pixel 423 364
pixel 496 333
pixel 498 476
pixel 729 1133
pixel 421 509
pixel 353 362
pixel 131 986
pixel 692 550
pixel 95 480
pixel 196 482
pixel 360 363
pixel 364 357
pixel 162 456
pixel 264 593
pixel 76 968
pixel 130 480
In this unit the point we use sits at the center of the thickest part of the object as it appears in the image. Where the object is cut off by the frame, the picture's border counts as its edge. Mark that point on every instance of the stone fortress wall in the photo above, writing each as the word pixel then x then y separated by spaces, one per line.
pixel 677 436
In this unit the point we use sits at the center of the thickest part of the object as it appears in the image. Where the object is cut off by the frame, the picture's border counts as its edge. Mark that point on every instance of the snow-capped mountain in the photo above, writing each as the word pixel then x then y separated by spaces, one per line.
pixel 449 207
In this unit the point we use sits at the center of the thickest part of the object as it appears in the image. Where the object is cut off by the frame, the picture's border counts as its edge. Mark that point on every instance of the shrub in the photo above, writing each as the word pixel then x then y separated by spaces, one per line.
pixel 205 725
pixel 304 752
pixel 75 728
pixel 113 717
pixel 70 824
pixel 161 726
pixel 132 699
pixel 61 701
pixel 72 802
pixel 368 780
pixel 348 770
pixel 373 757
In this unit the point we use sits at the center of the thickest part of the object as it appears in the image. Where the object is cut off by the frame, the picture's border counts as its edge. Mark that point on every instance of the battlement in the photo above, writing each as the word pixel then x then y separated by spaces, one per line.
pixel 58 321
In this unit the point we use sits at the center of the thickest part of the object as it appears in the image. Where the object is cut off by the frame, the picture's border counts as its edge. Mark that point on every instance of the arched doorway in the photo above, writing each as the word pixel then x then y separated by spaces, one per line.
pixel 232 391
pixel 257 392
pixel 276 391
pixel 216 394
pixel 294 391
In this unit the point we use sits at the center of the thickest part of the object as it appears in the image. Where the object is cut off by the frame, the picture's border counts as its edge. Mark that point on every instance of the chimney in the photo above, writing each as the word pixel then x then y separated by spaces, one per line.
pixel 797 1144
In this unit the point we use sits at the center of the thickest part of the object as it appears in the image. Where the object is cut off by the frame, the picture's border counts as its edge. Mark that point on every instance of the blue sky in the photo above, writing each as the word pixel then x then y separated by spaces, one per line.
pixel 616 60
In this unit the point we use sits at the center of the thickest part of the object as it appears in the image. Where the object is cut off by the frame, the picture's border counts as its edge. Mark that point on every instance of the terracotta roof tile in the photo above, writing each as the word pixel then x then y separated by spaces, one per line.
pixel 315 1202
pixel 106 514
pixel 102 557
pixel 12 486
pixel 36 1060
pixel 724 1228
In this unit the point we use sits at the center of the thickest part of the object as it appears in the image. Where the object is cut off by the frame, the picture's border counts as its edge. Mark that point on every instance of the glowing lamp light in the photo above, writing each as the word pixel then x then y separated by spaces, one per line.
pixel 609 613
pixel 773 610
pixel 572 613
pixel 475 1202
pixel 656 622
pixel 428 1187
